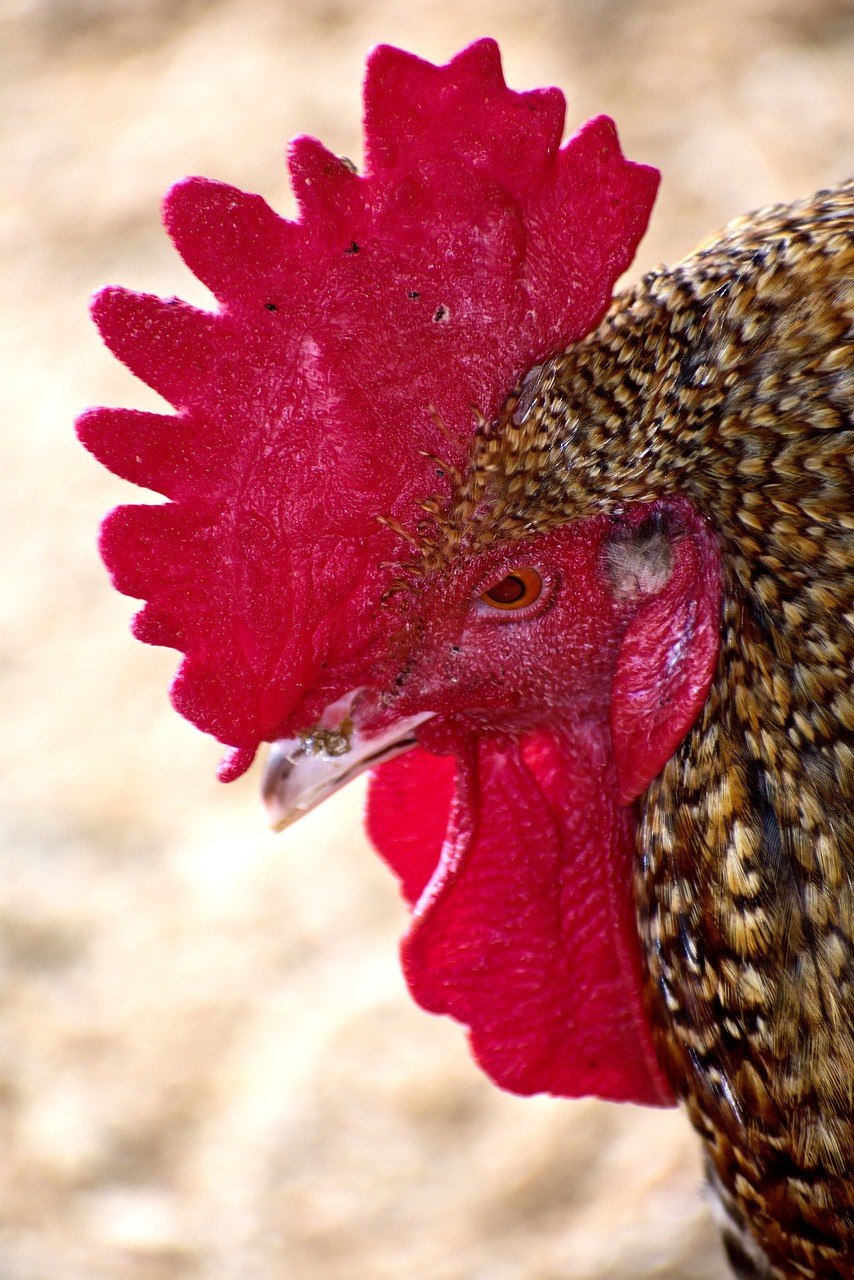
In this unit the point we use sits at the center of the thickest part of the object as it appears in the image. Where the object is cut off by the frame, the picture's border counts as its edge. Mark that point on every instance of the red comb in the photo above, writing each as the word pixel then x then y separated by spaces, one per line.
pixel 472 247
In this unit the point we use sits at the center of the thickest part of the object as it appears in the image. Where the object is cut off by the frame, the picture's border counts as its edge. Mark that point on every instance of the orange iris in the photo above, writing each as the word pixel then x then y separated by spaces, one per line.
pixel 520 588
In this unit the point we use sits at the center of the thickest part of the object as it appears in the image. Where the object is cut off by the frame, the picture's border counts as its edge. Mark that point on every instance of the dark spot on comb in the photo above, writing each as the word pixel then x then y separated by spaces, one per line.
pixel 441 313
pixel 271 306
pixel 354 248
pixel 414 295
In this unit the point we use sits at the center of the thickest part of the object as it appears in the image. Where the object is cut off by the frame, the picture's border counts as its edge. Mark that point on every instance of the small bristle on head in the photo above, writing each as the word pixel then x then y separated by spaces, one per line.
pixel 473 246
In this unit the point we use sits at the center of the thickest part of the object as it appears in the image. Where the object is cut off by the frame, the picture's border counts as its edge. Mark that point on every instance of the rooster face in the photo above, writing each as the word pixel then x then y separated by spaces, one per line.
pixel 602 627
pixel 532 690
pixel 515 636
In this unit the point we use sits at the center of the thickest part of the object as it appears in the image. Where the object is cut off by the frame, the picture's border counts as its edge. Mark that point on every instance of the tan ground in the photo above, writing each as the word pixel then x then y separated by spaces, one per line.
pixel 208 1065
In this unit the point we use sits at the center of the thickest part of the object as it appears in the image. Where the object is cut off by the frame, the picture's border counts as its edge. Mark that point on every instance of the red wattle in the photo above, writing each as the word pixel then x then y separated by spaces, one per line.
pixel 409 803
pixel 525 932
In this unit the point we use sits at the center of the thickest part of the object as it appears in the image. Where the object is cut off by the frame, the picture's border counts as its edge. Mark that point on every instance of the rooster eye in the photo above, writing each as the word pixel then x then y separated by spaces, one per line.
pixel 520 588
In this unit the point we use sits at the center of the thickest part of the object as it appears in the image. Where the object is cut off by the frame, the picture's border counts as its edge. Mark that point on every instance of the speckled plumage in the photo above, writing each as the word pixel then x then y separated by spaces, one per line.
pixel 729 379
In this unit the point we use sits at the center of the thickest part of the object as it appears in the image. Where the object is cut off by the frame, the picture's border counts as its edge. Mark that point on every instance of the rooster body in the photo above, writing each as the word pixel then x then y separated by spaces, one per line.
pixel 750 955
pixel 606 626
pixel 729 380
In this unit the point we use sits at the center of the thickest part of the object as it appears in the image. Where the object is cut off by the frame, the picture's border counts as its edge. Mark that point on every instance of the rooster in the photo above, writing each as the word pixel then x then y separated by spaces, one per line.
pixel 576 582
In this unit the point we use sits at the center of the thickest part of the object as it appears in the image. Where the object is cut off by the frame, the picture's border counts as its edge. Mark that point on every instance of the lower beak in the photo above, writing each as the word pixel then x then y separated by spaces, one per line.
pixel 301 772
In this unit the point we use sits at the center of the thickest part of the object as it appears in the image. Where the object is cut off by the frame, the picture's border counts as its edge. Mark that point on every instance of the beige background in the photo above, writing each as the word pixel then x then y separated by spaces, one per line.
pixel 208 1065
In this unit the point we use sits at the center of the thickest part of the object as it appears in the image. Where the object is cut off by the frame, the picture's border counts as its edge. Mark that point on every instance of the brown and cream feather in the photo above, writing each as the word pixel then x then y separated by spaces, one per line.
pixel 729 380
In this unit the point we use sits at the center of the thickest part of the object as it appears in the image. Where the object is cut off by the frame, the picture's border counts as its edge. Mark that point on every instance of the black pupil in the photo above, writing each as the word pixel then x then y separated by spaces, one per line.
pixel 508 591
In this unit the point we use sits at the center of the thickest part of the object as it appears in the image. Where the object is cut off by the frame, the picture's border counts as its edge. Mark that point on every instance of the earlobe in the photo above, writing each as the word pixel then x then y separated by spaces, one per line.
pixel 667 661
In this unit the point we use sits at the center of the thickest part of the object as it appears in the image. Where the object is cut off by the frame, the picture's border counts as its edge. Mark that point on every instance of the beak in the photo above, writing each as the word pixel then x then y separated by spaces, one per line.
pixel 301 772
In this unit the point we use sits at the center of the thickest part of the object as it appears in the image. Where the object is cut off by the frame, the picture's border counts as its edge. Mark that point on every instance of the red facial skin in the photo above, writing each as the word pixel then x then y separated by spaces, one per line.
pixel 518 859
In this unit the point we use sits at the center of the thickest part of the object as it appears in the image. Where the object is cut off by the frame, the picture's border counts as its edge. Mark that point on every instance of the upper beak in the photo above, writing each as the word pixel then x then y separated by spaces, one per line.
pixel 302 771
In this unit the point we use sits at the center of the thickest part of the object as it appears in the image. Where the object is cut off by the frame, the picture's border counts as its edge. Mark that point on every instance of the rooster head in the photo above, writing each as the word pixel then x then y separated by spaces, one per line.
pixel 362 563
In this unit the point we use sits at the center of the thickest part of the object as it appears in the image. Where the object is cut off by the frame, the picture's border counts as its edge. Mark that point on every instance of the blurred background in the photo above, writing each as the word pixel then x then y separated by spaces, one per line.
pixel 208 1063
